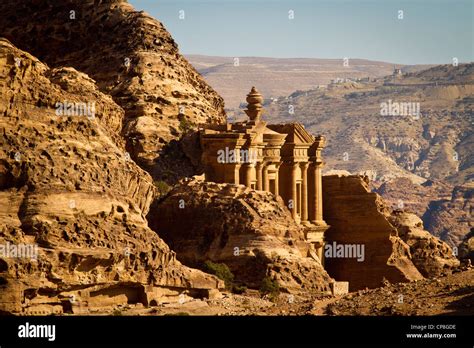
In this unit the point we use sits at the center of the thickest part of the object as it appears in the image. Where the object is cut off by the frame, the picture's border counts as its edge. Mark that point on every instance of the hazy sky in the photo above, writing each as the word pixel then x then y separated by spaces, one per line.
pixel 431 31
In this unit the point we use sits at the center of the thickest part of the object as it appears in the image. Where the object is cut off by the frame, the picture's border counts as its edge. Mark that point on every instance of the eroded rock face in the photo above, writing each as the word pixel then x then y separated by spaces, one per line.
pixel 251 231
pixel 431 256
pixel 466 249
pixel 444 209
pixel 451 219
pixel 403 194
pixel 130 55
pixel 359 217
pixel 396 246
pixel 68 190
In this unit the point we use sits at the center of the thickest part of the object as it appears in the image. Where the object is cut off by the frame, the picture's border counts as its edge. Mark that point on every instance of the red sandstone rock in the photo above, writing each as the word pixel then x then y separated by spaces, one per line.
pixel 250 231
pixel 130 55
pixel 68 189
pixel 430 255
pixel 445 209
pixel 359 217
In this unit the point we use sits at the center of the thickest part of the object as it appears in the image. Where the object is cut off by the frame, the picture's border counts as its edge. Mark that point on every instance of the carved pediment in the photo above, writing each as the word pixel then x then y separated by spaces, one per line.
pixel 301 135
pixel 297 134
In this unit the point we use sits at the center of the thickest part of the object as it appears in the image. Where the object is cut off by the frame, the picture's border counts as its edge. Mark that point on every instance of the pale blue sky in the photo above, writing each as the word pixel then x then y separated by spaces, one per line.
pixel 431 32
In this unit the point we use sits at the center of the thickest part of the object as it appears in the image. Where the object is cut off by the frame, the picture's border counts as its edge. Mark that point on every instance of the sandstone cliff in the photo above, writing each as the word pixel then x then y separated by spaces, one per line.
pixel 360 217
pixel 431 256
pixel 68 188
pixel 130 55
pixel 250 231
pixel 445 210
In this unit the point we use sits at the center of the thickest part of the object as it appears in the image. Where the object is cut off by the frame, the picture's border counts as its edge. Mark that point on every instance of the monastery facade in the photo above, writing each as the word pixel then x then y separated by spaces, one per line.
pixel 280 158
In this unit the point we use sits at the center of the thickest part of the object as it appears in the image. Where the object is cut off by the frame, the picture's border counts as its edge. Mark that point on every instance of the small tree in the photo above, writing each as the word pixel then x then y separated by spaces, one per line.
pixel 270 287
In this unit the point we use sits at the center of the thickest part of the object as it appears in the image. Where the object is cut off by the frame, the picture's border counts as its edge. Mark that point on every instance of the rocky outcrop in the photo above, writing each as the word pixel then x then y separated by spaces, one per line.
pixel 359 217
pixel 73 233
pixel 445 210
pixel 466 249
pixel 130 55
pixel 431 256
pixel 250 231
pixel 396 247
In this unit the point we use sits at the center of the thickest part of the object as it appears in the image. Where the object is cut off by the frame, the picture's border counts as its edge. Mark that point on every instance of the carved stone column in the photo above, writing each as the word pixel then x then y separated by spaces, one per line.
pixel 248 174
pixel 266 184
pixel 259 169
pixel 277 179
pixel 304 193
pixel 293 189
pixel 232 174
pixel 318 193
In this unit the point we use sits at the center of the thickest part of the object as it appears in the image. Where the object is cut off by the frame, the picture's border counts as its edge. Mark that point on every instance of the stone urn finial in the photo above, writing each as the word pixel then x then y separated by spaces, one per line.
pixel 254 108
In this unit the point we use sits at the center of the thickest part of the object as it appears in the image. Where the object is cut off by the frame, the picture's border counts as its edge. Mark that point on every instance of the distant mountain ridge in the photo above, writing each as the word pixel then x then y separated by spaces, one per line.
pixel 277 77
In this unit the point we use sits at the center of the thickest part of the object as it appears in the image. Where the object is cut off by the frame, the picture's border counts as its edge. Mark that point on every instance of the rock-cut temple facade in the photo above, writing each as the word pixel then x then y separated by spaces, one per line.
pixel 280 158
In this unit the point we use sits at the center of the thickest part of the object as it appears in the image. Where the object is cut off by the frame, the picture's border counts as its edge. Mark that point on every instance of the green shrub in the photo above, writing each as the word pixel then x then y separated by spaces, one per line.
pixel 220 270
pixel 270 287
pixel 162 187
pixel 185 125
pixel 238 289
